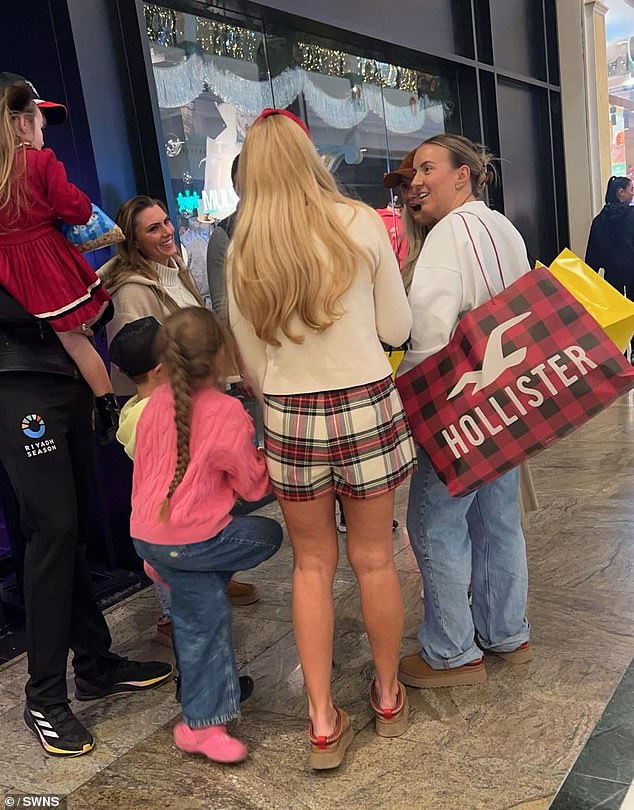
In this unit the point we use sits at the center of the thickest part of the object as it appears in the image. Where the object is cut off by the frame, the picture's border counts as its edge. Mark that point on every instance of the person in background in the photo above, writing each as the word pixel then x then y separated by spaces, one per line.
pixel 216 254
pixel 194 455
pixel 611 239
pixel 477 539
pixel 46 440
pixel 313 288
pixel 416 222
pixel 38 266
pixel 147 277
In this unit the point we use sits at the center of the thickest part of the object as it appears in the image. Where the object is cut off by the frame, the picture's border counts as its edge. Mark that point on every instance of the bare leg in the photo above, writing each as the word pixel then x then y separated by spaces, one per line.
pixel 371 556
pixel 311 526
pixel 88 361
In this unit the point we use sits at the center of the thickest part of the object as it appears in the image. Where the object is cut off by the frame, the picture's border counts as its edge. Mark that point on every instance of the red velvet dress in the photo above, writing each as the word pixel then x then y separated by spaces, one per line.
pixel 38 266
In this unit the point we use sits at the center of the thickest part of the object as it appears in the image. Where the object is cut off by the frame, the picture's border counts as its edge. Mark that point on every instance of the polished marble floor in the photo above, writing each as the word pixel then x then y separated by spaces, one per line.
pixel 508 743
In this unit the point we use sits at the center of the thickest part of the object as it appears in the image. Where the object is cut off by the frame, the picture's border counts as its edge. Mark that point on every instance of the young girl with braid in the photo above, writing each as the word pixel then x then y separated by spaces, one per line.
pixel 194 456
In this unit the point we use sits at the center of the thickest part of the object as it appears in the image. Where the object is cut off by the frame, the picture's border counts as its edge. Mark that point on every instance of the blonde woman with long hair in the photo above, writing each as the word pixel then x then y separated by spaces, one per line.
pixel 194 457
pixel 313 289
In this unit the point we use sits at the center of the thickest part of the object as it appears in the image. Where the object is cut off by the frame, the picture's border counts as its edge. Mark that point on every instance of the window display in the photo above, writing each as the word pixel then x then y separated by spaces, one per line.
pixel 214 76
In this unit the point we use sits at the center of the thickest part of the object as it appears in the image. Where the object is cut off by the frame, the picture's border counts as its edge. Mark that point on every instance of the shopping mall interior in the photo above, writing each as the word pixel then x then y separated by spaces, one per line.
pixel 160 98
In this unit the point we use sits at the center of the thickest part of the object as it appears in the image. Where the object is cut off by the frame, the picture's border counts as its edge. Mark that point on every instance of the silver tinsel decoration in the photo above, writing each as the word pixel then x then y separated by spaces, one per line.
pixel 179 85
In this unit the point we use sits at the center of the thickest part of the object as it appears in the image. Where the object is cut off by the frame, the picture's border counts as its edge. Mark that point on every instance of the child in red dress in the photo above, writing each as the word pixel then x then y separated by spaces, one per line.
pixel 38 266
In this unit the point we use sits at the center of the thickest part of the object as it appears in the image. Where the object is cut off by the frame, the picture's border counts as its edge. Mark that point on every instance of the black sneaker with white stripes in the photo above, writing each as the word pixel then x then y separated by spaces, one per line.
pixel 58 731
pixel 124 676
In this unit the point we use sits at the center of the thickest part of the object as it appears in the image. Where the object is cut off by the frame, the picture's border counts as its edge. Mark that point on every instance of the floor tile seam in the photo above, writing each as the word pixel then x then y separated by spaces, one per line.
pixel 523 802
pixel 618 782
pixel 120 754
pixel 266 649
pixel 549 590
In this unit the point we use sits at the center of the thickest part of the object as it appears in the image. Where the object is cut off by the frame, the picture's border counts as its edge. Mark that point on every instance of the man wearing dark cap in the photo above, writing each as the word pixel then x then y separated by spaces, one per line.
pixel 45 446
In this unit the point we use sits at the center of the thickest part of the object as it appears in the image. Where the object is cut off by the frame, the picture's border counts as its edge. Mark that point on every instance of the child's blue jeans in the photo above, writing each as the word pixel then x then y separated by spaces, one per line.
pixel 198 574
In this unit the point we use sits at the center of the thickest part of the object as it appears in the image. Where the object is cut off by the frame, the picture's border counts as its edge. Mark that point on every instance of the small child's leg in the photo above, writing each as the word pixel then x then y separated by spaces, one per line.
pixel 88 361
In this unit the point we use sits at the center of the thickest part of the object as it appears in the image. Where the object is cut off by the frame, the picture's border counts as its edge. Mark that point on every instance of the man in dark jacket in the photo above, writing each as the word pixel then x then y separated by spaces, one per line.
pixel 45 447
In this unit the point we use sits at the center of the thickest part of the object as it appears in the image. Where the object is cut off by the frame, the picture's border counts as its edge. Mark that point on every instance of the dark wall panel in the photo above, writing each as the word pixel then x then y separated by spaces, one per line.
pixel 526 168
pixel 518 36
pixel 435 26
pixel 46 29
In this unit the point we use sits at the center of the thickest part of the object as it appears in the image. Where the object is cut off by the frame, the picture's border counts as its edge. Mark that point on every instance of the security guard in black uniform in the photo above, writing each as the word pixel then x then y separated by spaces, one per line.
pixel 45 447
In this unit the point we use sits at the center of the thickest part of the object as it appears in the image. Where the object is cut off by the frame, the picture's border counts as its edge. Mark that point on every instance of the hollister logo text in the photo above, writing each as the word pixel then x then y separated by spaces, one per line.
pixel 513 401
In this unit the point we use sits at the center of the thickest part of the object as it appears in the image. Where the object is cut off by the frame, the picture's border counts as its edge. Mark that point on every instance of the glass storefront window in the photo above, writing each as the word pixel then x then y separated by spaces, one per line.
pixel 213 76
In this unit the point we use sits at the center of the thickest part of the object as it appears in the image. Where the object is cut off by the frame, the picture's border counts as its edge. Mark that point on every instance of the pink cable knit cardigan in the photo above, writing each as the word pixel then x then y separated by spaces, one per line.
pixel 224 464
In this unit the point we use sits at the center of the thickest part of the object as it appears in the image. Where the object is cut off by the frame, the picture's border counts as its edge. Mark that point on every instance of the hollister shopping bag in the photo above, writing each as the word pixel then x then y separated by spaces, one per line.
pixel 613 311
pixel 521 372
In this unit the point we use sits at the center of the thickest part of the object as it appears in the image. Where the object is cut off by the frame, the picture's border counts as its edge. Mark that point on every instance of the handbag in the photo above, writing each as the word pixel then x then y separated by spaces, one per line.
pixel 100 231
pixel 520 372
pixel 611 310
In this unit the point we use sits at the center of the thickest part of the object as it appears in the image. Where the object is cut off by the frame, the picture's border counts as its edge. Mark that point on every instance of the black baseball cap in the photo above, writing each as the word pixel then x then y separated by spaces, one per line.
pixel 53 112
pixel 133 348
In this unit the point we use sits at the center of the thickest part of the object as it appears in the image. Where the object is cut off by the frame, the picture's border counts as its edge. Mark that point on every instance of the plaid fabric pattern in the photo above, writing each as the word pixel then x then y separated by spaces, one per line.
pixel 354 441
pixel 557 369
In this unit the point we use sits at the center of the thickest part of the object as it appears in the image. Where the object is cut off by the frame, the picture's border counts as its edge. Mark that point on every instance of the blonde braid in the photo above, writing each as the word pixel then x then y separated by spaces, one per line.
pixel 180 382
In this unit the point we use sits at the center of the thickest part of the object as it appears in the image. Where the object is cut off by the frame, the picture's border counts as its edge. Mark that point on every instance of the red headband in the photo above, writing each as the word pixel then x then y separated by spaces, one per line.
pixel 273 111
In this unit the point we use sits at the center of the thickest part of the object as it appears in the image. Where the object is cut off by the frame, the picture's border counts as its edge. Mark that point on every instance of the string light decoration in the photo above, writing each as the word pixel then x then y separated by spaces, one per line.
pixel 165 27
pixel 333 62
pixel 221 39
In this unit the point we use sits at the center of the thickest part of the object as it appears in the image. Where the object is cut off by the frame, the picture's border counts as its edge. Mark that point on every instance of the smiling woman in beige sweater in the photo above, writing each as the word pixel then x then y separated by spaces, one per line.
pixel 147 276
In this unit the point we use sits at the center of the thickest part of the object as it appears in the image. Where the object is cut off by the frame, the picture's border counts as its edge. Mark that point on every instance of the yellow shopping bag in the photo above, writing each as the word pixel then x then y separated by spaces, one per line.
pixel 395 356
pixel 613 311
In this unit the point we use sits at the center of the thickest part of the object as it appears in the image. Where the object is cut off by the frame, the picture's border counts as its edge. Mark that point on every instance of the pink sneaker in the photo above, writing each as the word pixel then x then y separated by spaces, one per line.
pixel 212 742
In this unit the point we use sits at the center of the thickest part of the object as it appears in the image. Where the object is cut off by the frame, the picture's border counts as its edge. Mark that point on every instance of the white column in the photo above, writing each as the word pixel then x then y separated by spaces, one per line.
pixel 581 96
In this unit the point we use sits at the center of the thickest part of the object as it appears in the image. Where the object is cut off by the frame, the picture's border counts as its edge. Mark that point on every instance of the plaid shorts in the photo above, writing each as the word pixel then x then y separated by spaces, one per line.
pixel 354 441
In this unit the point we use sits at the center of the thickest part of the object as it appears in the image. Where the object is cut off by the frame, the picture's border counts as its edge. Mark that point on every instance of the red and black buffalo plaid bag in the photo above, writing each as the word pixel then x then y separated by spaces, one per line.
pixel 520 372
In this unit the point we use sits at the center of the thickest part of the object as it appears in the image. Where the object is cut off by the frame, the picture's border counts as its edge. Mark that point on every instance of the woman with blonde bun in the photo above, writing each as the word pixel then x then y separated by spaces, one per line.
pixel 477 538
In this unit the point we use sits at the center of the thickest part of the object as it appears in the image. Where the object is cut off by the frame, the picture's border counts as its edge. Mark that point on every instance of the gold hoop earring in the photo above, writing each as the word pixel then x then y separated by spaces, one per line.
pixel 459 186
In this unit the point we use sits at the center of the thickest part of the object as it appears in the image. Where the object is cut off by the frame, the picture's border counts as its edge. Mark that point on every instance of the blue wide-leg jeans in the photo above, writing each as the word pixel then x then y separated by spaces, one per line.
pixel 475 539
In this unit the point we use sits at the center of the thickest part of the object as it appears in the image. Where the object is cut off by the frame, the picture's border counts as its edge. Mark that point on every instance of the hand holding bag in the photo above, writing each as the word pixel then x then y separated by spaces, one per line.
pixel 100 231
pixel 521 371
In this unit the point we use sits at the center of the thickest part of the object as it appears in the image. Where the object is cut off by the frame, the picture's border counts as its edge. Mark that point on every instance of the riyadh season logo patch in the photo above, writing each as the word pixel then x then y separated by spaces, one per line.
pixel 33 426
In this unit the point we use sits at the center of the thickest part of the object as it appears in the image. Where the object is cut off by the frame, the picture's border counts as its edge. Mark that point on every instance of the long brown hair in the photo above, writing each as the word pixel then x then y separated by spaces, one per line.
pixel 193 347
pixel 130 261
pixel 15 99
pixel 292 257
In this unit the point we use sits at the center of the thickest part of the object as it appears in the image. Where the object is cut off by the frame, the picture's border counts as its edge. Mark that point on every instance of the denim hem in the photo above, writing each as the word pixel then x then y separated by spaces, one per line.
pixel 469 657
pixel 511 644
pixel 221 720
